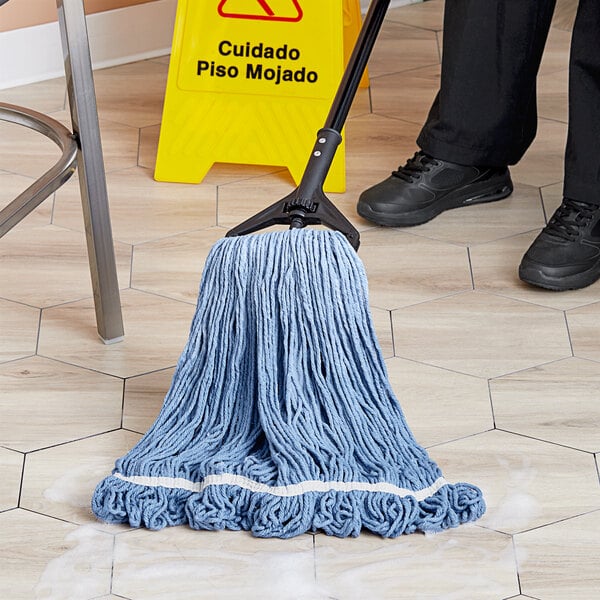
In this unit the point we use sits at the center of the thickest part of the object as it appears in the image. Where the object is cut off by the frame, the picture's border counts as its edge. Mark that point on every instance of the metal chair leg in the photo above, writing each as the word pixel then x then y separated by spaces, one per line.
pixel 90 163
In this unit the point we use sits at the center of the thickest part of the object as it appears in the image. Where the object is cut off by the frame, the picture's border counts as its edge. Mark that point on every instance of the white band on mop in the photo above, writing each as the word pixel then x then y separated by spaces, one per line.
pixel 295 489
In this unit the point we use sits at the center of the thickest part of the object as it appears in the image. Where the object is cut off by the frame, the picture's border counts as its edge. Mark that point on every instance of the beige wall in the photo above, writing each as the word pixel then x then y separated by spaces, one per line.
pixel 25 13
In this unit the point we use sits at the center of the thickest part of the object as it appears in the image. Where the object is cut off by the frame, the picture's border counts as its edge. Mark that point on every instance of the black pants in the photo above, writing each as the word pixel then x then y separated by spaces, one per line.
pixel 485 111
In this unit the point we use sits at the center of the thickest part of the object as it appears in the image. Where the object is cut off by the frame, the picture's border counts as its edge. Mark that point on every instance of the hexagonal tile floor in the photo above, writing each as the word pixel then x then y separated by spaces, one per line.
pixel 560 561
pixel 500 382
pixel 57 265
pixel 46 403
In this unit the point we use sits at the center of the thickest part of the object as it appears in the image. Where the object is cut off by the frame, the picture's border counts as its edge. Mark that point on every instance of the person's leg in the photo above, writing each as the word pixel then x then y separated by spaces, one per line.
pixel 566 254
pixel 485 112
pixel 483 118
pixel 582 155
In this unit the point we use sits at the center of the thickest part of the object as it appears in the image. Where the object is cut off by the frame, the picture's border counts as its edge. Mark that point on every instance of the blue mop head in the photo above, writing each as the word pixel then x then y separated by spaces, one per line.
pixel 280 418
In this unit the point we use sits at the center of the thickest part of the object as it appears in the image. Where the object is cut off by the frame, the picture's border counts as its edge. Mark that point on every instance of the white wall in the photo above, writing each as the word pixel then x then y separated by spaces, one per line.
pixel 116 37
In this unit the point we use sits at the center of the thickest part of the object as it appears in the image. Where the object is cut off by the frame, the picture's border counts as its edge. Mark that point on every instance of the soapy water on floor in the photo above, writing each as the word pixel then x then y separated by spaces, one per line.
pixel 86 570
pixel 516 509
pixel 99 563
pixel 83 571
pixel 146 566
pixel 76 486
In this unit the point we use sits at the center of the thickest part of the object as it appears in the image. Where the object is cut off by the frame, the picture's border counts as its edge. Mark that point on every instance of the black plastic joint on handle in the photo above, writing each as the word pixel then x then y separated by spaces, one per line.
pixel 307 204
pixel 317 168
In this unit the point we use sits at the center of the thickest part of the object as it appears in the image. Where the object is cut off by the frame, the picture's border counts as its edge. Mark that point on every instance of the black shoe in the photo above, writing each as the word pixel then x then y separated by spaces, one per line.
pixel 566 254
pixel 424 187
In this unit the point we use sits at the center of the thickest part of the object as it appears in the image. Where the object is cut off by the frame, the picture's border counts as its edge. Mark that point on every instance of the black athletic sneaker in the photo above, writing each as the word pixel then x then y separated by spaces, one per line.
pixel 425 186
pixel 566 254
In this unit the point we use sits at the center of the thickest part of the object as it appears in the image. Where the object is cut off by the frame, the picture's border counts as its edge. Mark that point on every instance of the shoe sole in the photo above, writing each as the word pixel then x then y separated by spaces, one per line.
pixel 454 200
pixel 534 274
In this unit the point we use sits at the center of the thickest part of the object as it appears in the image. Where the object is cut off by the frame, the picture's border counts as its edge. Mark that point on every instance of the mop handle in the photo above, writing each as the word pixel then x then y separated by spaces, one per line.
pixel 329 137
pixel 307 204
pixel 356 65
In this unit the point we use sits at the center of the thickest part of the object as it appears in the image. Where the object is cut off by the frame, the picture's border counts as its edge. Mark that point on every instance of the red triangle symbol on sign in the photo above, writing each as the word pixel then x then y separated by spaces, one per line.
pixel 266 10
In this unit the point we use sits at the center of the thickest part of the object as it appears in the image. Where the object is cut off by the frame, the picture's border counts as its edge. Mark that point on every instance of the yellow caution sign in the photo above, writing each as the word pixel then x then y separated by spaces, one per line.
pixel 266 10
pixel 250 82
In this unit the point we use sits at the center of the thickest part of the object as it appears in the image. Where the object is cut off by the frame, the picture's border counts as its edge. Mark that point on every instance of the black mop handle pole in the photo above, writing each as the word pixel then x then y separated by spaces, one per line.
pixel 356 65
pixel 329 137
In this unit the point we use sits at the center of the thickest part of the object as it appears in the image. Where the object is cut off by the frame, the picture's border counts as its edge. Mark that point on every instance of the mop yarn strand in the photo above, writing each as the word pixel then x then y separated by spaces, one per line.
pixel 280 418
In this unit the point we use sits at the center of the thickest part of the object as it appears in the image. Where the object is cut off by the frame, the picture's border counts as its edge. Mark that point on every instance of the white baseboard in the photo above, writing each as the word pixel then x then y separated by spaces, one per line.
pixel 116 37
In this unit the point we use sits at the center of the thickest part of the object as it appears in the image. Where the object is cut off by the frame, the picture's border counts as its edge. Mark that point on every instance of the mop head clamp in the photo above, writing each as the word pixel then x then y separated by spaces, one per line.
pixel 307 204
pixel 298 213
